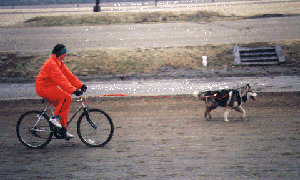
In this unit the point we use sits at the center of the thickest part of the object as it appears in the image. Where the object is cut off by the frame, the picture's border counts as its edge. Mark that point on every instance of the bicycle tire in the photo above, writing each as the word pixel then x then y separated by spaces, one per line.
pixel 99 132
pixel 42 133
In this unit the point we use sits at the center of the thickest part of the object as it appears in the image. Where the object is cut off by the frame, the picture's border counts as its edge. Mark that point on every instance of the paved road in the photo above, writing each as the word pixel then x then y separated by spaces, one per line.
pixel 150 35
pixel 11 91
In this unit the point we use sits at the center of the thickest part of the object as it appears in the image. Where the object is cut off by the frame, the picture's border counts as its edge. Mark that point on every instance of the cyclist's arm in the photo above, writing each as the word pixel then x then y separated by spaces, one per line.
pixel 71 77
pixel 61 80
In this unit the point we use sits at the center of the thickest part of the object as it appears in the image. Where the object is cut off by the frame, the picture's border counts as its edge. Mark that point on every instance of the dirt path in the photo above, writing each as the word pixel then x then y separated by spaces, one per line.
pixel 166 138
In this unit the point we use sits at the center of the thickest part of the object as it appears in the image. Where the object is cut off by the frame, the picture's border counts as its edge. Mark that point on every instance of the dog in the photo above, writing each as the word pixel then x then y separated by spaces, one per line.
pixel 230 99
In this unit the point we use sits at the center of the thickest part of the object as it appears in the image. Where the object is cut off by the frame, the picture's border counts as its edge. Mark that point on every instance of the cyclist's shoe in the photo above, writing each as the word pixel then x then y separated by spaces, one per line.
pixel 55 121
pixel 91 141
pixel 68 135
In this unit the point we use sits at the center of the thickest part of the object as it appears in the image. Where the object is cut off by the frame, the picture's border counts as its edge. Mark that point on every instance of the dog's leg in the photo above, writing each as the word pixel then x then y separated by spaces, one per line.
pixel 207 111
pixel 240 109
pixel 226 114
pixel 208 104
pixel 209 115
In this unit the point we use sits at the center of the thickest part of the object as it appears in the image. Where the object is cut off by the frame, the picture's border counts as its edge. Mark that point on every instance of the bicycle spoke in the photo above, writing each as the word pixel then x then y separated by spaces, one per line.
pixel 33 130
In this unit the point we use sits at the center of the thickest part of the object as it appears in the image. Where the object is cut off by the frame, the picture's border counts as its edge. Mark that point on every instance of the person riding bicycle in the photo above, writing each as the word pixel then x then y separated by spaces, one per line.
pixel 54 73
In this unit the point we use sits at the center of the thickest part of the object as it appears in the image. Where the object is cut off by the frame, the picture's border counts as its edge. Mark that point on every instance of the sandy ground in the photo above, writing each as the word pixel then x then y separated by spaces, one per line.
pixel 165 138
pixel 10 17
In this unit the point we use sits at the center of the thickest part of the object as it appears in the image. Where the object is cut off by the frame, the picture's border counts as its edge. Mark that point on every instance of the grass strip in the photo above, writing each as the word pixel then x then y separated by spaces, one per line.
pixel 108 61
pixel 132 18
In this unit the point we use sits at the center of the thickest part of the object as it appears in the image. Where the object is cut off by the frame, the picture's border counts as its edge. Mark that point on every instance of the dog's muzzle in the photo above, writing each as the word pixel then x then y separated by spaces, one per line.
pixel 253 95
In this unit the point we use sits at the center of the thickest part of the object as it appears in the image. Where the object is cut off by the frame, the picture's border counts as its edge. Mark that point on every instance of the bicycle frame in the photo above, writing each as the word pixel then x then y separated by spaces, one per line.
pixel 83 106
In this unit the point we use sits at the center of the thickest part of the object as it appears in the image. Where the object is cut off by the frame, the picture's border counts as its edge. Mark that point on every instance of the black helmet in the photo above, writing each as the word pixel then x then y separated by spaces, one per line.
pixel 59 49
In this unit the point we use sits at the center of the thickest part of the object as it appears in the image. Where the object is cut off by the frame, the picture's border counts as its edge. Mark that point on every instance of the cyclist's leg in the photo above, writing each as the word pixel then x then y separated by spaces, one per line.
pixel 62 109
pixel 60 99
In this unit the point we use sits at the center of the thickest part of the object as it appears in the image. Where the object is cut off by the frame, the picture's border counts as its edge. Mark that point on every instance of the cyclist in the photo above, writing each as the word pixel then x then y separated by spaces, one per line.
pixel 54 73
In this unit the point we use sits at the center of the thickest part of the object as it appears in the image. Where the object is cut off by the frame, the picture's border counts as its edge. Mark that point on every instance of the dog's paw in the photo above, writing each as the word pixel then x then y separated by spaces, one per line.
pixel 226 120
pixel 207 118
pixel 244 119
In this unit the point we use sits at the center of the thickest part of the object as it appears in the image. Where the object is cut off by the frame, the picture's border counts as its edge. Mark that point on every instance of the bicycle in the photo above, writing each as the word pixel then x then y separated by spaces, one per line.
pixel 94 127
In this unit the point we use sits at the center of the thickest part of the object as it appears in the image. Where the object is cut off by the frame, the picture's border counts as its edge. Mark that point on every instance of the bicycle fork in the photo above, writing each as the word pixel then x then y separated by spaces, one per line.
pixel 88 118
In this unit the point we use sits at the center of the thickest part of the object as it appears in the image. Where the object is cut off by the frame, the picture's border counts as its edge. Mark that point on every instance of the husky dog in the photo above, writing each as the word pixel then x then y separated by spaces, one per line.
pixel 230 99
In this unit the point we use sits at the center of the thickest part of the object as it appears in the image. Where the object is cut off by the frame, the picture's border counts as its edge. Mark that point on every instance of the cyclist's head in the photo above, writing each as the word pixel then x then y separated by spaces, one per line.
pixel 59 49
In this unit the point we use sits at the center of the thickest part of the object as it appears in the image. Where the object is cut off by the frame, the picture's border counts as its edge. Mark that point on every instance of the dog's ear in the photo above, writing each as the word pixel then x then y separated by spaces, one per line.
pixel 248 87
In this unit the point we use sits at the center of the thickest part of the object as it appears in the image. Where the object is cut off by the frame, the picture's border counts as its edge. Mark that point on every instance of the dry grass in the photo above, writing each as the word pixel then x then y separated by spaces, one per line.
pixel 122 18
pixel 139 60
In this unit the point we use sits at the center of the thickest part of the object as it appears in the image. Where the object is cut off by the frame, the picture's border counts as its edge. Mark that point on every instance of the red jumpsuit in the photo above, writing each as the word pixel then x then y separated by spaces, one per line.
pixel 55 73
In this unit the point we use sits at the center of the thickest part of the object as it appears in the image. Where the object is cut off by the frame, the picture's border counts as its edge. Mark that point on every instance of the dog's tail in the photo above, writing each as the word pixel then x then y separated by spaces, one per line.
pixel 199 95
pixel 196 94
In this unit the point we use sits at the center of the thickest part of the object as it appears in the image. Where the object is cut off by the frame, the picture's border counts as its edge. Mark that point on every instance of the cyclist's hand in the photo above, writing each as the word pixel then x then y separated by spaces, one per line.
pixel 83 88
pixel 78 92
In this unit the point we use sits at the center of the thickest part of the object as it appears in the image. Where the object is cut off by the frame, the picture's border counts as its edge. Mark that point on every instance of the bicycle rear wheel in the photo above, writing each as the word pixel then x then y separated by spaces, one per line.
pixel 33 130
pixel 95 128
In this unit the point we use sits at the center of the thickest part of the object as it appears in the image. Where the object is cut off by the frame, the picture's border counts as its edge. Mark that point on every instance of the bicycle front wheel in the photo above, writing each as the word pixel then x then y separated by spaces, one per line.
pixel 33 129
pixel 95 128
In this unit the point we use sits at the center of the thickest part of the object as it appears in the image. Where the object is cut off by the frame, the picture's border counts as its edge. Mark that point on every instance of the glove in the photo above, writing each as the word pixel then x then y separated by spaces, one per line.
pixel 77 92
pixel 83 88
